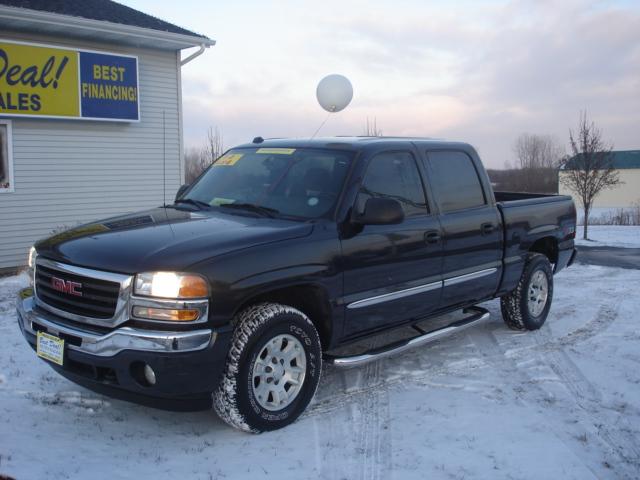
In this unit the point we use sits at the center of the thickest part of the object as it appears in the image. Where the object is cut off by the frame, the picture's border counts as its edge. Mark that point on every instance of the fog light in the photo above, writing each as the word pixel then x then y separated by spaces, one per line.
pixel 149 375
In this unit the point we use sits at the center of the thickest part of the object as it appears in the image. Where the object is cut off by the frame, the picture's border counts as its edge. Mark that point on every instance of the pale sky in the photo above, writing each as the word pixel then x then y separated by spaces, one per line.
pixel 476 71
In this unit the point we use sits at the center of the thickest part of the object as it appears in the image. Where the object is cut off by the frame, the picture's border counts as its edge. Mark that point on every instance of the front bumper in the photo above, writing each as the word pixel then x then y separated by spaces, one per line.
pixel 187 364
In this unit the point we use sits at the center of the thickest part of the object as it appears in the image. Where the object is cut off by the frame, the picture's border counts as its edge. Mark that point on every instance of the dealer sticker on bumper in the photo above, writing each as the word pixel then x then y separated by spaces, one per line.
pixel 50 348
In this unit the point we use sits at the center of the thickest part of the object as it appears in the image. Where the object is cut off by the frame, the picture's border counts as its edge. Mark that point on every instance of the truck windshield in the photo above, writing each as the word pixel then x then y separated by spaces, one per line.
pixel 303 183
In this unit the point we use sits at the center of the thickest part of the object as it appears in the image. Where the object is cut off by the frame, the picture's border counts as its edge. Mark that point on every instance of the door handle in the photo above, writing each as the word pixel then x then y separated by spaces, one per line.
pixel 487 228
pixel 432 237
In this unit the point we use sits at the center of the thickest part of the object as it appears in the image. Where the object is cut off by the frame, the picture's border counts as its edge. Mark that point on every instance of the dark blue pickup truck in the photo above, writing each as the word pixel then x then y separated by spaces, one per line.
pixel 280 252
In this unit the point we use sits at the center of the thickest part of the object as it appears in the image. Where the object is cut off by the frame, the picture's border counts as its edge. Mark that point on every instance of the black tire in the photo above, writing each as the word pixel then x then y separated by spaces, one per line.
pixel 235 400
pixel 515 310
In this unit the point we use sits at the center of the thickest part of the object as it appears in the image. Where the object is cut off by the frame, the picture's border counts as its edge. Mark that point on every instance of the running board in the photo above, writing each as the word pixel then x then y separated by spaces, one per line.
pixel 478 315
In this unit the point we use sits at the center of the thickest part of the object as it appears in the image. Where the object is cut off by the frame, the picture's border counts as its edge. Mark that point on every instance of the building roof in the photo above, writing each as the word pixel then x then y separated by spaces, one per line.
pixel 104 10
pixel 622 159
pixel 99 20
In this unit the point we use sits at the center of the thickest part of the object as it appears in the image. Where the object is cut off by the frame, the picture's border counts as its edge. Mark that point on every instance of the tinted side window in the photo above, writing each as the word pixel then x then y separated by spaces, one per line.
pixel 454 180
pixel 394 175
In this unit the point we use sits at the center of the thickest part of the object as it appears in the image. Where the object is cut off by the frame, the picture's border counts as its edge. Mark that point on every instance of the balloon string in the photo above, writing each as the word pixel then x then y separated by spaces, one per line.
pixel 321 125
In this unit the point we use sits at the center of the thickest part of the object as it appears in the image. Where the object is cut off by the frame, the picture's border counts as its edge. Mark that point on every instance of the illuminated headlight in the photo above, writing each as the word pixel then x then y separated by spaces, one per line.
pixel 171 285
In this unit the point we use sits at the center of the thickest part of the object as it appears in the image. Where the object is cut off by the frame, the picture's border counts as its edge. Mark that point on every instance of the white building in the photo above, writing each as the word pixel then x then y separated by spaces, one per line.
pixel 624 195
pixel 90 115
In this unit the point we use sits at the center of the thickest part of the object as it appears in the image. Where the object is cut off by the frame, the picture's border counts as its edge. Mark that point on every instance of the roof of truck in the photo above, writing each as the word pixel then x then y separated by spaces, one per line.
pixel 345 142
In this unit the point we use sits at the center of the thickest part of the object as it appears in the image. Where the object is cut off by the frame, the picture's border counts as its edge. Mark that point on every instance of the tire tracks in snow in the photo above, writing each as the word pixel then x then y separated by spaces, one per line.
pixel 541 350
pixel 528 390
pixel 364 421
pixel 374 432
pixel 348 398
pixel 443 357
pixel 603 318
pixel 585 394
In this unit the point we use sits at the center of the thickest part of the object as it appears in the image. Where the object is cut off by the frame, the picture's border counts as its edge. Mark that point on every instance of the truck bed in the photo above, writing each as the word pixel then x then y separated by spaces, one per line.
pixel 529 218
pixel 527 198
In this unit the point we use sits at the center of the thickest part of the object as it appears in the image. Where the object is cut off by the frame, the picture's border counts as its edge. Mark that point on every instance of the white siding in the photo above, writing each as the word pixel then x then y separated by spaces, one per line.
pixel 627 194
pixel 68 172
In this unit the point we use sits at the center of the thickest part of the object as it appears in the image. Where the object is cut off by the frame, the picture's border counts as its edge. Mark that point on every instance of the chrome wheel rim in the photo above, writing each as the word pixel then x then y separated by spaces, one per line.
pixel 538 293
pixel 278 372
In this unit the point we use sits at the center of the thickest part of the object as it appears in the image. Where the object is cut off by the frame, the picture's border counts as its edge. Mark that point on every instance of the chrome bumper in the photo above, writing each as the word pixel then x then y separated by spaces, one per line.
pixel 112 343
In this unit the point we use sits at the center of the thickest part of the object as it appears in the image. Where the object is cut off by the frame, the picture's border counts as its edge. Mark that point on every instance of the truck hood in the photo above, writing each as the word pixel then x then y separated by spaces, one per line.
pixel 164 239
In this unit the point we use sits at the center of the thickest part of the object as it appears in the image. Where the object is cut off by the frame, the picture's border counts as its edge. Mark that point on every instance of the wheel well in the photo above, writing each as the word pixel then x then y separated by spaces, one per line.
pixel 547 246
pixel 311 300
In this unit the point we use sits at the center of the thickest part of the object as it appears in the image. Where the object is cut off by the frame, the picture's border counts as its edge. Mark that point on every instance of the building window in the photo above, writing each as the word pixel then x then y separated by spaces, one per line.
pixel 6 157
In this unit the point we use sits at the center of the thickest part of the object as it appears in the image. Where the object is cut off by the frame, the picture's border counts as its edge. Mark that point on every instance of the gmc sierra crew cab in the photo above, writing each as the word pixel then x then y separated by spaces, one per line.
pixel 279 253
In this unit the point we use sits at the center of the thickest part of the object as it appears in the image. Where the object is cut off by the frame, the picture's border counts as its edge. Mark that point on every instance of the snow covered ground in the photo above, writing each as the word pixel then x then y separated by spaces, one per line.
pixel 562 402
pixel 627 236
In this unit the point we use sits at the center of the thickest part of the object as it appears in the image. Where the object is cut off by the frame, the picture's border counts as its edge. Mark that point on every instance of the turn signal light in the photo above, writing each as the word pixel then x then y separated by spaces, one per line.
pixel 193 286
pixel 166 314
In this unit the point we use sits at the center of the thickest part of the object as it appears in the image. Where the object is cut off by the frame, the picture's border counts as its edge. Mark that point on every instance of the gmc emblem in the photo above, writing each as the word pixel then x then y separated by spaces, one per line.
pixel 66 286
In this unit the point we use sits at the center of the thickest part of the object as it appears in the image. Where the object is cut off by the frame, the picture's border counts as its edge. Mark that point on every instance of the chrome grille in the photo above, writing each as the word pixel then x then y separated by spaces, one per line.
pixel 105 296
pixel 98 299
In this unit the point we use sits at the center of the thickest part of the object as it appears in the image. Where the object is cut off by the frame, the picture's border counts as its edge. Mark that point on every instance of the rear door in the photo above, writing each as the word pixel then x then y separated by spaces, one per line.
pixel 392 272
pixel 471 227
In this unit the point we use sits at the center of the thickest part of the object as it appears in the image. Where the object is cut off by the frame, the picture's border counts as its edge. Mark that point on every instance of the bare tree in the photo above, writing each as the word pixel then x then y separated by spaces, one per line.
pixel 215 143
pixel 534 168
pixel 537 160
pixel 194 164
pixel 537 151
pixel 371 128
pixel 196 160
pixel 590 170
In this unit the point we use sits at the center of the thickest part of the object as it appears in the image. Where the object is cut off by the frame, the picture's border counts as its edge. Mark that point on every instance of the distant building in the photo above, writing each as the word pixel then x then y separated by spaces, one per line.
pixel 627 163
pixel 90 115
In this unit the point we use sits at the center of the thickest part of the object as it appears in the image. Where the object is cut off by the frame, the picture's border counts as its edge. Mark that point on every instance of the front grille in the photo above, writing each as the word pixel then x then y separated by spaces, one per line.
pixel 99 297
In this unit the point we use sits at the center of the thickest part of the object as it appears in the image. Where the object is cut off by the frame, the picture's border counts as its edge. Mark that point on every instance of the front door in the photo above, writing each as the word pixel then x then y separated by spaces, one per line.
pixel 392 272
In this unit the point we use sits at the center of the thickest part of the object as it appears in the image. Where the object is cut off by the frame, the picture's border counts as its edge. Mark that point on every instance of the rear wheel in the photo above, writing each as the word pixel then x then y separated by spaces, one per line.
pixel 273 368
pixel 527 306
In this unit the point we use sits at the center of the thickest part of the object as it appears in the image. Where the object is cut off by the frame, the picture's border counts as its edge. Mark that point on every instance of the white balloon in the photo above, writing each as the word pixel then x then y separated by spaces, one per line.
pixel 334 93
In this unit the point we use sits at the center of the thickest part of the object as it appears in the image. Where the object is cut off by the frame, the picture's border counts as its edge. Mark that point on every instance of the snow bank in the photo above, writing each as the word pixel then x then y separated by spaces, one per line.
pixel 610 236
pixel 562 402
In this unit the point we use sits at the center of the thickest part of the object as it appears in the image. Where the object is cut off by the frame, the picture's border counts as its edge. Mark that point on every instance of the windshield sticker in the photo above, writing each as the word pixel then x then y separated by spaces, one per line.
pixel 276 151
pixel 229 159
pixel 217 201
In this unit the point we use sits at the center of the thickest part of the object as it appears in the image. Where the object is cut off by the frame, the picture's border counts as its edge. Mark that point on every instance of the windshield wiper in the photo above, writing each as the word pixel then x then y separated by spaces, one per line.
pixel 252 207
pixel 197 203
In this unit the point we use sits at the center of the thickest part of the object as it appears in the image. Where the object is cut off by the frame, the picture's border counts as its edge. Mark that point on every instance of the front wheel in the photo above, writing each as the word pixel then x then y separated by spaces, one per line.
pixel 273 368
pixel 527 306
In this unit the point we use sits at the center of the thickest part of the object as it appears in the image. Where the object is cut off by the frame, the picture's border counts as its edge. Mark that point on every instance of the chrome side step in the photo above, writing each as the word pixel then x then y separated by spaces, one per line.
pixel 478 314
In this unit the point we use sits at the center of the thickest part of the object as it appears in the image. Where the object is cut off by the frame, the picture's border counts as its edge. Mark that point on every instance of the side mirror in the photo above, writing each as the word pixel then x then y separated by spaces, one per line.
pixel 181 190
pixel 381 211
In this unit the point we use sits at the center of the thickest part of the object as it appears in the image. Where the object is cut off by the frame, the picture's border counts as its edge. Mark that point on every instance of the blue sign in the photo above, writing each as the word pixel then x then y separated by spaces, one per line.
pixel 109 87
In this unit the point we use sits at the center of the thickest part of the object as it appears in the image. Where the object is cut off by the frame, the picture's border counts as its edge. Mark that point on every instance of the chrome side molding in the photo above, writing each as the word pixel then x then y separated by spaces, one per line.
pixel 395 295
pixel 469 276
pixel 386 297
